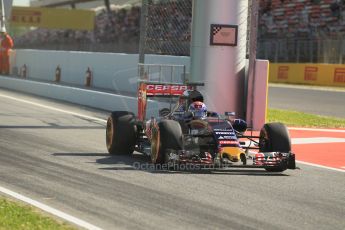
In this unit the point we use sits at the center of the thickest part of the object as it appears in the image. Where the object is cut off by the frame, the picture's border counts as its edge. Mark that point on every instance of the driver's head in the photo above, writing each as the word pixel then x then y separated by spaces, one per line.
pixel 190 96
pixel 198 109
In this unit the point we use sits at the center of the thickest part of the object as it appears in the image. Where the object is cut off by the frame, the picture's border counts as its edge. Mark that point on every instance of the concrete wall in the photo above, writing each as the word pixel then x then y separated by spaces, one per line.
pixel 257 96
pixel 95 99
pixel 111 71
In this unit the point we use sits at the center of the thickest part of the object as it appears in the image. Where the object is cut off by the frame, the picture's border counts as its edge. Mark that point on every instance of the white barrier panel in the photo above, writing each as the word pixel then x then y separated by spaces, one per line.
pixel 95 99
pixel 114 72
pixel 257 99
pixel 111 71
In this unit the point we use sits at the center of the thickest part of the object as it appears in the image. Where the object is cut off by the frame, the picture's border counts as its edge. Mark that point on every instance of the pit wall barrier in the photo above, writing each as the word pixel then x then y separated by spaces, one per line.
pixel 111 73
pixel 115 72
pixel 257 95
pixel 87 97
pixel 308 74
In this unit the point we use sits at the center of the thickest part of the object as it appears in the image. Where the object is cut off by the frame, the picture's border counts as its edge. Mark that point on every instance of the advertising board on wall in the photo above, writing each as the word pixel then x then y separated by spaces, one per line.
pixel 309 73
pixel 53 18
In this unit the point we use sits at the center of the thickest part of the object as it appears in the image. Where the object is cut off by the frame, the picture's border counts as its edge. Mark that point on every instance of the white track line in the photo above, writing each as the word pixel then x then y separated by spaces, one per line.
pixel 50 210
pixel 80 222
pixel 37 204
pixel 317 140
pixel 103 120
pixel 309 87
pixel 318 130
pixel 321 166
pixel 53 108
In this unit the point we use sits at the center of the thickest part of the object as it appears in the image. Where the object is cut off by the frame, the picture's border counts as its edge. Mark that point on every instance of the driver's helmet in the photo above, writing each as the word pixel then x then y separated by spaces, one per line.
pixel 198 109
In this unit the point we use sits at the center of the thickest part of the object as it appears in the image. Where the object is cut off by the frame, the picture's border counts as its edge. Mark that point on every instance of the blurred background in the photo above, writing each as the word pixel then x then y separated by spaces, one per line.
pixel 289 30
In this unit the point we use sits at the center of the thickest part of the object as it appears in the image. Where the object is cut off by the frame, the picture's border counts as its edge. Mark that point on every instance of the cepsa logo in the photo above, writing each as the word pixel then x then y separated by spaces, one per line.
pixel 159 89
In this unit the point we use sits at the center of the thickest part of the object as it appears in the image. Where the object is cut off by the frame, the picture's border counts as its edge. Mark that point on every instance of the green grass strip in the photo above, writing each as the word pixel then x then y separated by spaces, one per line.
pixel 15 216
pixel 298 119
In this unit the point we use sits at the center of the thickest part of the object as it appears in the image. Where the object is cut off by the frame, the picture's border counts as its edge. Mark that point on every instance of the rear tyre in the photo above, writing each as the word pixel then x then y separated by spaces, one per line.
pixel 167 136
pixel 274 137
pixel 121 133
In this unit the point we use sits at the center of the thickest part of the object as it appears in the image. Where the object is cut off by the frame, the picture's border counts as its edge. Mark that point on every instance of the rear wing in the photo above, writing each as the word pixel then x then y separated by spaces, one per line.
pixel 167 89
pixel 159 80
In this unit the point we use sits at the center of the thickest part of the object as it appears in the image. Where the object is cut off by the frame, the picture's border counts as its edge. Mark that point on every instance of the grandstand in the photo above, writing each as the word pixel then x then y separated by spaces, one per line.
pixel 289 30
pixel 83 4
pixel 116 30
pixel 302 31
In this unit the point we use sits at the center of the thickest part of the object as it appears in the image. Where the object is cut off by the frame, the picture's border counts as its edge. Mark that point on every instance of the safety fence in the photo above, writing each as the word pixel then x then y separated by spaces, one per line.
pixel 275 50
pixel 302 50
pixel 164 27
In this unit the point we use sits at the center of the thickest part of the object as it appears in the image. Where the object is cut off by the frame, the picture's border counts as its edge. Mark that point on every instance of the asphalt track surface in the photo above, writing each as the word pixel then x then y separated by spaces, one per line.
pixel 315 100
pixel 60 159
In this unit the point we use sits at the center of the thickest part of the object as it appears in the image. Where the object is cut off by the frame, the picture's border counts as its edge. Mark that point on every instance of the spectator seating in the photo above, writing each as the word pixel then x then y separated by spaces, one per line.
pixel 302 18
pixel 309 19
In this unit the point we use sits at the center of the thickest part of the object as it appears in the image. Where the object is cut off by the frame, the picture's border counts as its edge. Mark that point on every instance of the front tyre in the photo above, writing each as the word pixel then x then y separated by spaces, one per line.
pixel 166 135
pixel 121 133
pixel 274 137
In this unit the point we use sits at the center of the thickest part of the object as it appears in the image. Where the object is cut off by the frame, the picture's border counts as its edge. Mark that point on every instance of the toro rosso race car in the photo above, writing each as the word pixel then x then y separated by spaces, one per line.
pixel 186 133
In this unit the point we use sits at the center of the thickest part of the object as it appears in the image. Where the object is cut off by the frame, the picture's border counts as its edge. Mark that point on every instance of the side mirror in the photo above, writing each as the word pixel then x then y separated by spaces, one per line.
pixel 212 114
pixel 230 114
pixel 239 125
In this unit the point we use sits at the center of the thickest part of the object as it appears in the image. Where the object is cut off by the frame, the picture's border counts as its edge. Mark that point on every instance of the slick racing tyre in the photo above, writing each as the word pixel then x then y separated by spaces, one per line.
pixel 121 133
pixel 166 135
pixel 274 137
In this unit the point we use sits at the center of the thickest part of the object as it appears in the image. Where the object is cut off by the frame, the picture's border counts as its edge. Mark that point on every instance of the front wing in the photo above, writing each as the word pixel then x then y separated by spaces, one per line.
pixel 269 160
